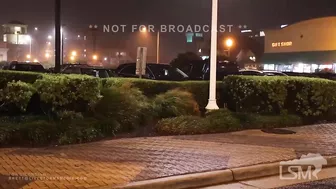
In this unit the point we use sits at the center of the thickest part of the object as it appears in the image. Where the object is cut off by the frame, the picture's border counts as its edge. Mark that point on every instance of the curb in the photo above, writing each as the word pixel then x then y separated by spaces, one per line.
pixel 215 177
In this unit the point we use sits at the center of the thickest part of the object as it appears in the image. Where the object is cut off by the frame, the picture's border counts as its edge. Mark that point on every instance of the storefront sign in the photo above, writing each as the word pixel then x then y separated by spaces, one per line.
pixel 282 44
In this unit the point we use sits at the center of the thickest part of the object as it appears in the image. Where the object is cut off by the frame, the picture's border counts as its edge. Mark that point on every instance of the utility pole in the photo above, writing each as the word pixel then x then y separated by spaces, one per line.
pixel 58 36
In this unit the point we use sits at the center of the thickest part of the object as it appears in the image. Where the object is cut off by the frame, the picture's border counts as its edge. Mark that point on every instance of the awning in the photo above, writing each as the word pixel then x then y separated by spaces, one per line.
pixel 312 57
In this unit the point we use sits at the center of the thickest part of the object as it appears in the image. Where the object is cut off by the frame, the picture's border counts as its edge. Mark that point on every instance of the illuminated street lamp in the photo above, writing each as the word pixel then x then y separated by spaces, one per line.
pixel 105 58
pixel 49 37
pixel 74 53
pixel 47 55
pixel 95 57
pixel 28 56
pixel 36 28
pixel 72 58
pixel 229 43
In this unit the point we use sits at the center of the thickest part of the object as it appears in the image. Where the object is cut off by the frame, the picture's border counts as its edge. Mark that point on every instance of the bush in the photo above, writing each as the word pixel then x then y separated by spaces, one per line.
pixel 28 130
pixel 221 121
pixel 16 96
pixel 9 76
pixel 128 106
pixel 308 97
pixel 68 92
pixel 175 103
pixel 151 88
pixel 183 125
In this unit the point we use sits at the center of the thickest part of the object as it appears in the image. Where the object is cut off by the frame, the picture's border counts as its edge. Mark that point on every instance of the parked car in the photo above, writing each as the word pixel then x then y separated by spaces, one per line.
pixel 200 69
pixel 87 70
pixel 153 71
pixel 274 73
pixel 25 66
pixel 252 72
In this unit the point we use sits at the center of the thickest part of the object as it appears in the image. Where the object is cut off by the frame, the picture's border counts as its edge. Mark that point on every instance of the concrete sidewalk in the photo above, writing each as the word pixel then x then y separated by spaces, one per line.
pixel 119 162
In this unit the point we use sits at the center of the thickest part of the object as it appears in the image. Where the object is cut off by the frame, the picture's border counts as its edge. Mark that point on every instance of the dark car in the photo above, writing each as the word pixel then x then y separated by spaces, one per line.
pixel 25 66
pixel 87 70
pixel 201 69
pixel 252 73
pixel 153 71
pixel 274 73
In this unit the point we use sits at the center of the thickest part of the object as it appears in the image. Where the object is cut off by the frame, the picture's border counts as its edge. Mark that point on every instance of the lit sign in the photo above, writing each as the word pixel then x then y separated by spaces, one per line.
pixel 282 44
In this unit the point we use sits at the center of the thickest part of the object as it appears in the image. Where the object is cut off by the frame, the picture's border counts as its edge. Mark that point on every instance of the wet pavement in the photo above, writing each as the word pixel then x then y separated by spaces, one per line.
pixel 119 162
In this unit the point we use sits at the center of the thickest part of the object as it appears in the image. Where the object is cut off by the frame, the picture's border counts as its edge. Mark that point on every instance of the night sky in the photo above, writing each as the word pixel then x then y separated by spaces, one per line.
pixel 257 13
pixel 80 13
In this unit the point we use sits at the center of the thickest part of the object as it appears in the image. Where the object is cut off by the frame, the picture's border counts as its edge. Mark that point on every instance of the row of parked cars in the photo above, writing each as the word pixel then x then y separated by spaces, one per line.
pixel 198 70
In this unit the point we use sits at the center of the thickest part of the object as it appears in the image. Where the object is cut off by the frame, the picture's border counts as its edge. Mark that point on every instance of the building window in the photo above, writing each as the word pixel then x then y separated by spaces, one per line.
pixel 270 67
pixel 190 37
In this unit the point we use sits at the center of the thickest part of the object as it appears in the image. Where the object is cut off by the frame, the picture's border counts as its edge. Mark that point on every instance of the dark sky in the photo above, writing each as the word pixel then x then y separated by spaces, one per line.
pixel 256 13
pixel 78 14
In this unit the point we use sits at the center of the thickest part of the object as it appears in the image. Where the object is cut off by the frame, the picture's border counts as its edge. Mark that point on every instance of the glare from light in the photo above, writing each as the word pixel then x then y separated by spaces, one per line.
pixel 35 60
pixel 28 56
pixel 36 28
pixel 74 53
pixel 105 58
pixel 143 29
pixel 28 38
pixel 49 37
pixel 78 36
pixel 95 57
pixel 72 58
pixel 229 42
pixel 47 55
pixel 246 31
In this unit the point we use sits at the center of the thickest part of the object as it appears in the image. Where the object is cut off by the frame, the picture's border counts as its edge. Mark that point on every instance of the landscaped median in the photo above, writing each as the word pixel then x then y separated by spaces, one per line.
pixel 43 109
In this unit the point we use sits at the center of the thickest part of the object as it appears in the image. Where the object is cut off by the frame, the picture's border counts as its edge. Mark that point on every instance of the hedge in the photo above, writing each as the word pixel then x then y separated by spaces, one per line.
pixel 16 96
pixel 70 92
pixel 151 88
pixel 308 97
pixel 221 121
pixel 27 77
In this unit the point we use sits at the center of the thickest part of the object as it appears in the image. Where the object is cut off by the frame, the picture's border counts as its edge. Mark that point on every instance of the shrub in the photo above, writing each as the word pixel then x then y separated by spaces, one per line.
pixel 183 125
pixel 16 96
pixel 9 76
pixel 68 92
pixel 309 97
pixel 175 103
pixel 126 105
pixel 222 121
pixel 151 88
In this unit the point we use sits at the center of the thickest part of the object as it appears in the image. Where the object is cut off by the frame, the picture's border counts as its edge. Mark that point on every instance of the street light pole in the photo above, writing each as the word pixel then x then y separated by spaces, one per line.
pixel 212 104
pixel 158 48
pixel 58 39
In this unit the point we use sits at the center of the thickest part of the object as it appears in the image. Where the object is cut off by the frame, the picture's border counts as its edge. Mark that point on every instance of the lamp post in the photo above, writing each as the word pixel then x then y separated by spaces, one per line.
pixel 144 30
pixel 212 104
pixel 29 38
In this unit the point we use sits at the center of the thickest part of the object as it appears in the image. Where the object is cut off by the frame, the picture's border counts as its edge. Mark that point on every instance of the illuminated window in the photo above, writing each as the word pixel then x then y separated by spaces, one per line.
pixel 199 34
pixel 190 37
pixel 269 67
pixel 262 34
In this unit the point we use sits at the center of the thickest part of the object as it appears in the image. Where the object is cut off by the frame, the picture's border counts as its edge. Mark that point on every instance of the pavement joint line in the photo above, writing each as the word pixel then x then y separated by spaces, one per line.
pixel 212 178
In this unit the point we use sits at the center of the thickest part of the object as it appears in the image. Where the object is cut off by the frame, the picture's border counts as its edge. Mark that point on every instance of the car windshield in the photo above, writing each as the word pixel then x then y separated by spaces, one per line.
pixel 167 71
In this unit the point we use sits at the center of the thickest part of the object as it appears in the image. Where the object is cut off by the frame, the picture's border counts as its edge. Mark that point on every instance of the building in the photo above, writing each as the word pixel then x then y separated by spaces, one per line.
pixel 304 47
pixel 3 52
pixel 17 40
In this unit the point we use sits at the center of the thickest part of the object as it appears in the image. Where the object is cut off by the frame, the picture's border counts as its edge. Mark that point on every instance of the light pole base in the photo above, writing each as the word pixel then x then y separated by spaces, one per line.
pixel 212 105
